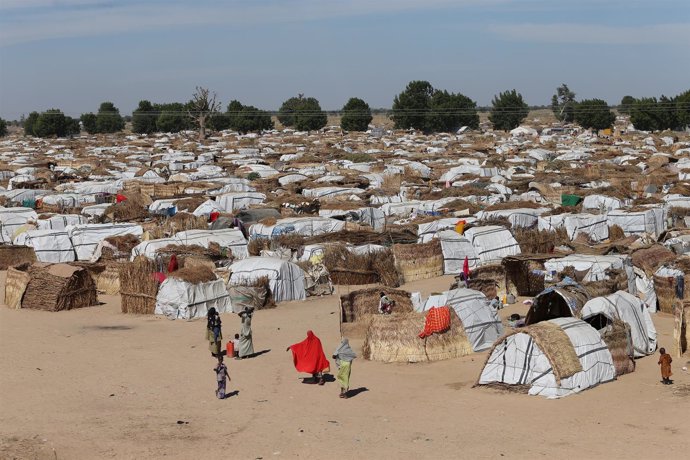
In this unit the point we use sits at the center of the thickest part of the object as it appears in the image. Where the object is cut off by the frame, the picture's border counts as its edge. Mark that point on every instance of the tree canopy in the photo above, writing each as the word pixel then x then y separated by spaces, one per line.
pixel 53 123
pixel 626 105
pixel 563 104
pixel 356 115
pixel 508 111
pixel 29 123
pixel 422 107
pixel 3 128
pixel 108 119
pixel 302 113
pixel 144 118
pixel 173 118
pixel 88 120
pixel 201 107
pixel 594 114
pixel 247 118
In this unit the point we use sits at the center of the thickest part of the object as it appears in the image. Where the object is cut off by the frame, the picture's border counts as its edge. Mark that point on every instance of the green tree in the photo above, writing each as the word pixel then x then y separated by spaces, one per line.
pixel 247 118
pixel 88 120
pixel 108 119
pixel 645 114
pixel 3 128
pixel 302 113
pixel 563 104
pixel 173 118
pixel 73 128
pixel 626 105
pixel 51 123
pixel 144 118
pixel 29 123
pixel 683 109
pixel 356 115
pixel 594 114
pixel 411 107
pixel 668 116
pixel 451 111
pixel 509 109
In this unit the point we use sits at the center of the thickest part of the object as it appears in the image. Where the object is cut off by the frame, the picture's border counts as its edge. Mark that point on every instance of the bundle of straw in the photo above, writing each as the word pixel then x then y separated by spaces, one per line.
pixel 15 255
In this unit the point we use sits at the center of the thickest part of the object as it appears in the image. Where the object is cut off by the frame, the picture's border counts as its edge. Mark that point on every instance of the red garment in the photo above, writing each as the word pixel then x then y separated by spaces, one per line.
pixel 158 276
pixel 120 198
pixel 437 320
pixel 466 268
pixel 172 265
pixel 308 355
pixel 214 216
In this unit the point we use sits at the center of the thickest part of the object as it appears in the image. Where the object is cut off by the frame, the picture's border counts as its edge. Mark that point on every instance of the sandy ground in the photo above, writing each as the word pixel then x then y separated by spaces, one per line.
pixel 94 383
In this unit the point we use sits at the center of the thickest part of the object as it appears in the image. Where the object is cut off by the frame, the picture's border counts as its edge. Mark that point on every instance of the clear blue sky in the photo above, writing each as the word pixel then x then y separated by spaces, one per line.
pixel 74 54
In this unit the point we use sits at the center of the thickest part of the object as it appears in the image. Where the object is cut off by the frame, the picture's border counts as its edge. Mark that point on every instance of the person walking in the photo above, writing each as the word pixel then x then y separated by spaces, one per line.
pixel 308 357
pixel 221 374
pixel 343 356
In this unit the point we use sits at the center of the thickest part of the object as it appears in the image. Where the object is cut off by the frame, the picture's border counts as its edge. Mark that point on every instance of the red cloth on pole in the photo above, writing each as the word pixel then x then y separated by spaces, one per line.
pixel 466 268
pixel 214 216
pixel 172 265
pixel 308 355
pixel 120 198
pixel 437 320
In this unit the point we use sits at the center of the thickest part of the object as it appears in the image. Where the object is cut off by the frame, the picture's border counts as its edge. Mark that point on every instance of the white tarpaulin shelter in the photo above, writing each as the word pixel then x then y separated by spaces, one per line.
pixel 85 237
pixel 601 203
pixel 595 267
pixel 594 226
pixel 480 322
pixel 373 217
pixel 305 226
pixel 240 200
pixel 630 309
pixel 286 280
pixel 231 238
pixel 521 217
pixel 518 360
pixel 492 243
pixel 13 218
pixel 178 299
pixel 53 246
pixel 455 248
pixel 61 221
pixel 651 221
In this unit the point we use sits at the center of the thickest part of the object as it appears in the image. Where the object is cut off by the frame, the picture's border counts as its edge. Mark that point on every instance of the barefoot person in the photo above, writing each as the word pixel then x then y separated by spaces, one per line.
pixel 221 374
pixel 665 361
pixel 308 357
pixel 343 356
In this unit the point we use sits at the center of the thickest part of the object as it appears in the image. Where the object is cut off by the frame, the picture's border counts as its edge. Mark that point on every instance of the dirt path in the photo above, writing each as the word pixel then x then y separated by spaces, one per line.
pixel 94 383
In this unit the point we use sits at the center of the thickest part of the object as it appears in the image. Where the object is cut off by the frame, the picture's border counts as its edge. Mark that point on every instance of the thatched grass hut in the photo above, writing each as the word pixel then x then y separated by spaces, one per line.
pixel 524 273
pixel 138 286
pixel 15 255
pixel 50 287
pixel 419 261
pixel 395 338
pixel 358 307
pixel 349 268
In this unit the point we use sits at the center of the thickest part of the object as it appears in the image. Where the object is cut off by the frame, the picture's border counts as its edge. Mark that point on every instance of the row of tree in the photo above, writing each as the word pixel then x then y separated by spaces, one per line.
pixel 420 106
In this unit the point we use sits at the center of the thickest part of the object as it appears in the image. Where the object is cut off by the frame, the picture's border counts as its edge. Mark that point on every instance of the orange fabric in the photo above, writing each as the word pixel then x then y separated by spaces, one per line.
pixel 437 320
pixel 665 361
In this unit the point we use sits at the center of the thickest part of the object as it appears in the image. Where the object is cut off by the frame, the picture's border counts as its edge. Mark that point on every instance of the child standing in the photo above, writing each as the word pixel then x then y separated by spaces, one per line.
pixel 221 373
pixel 236 346
pixel 665 361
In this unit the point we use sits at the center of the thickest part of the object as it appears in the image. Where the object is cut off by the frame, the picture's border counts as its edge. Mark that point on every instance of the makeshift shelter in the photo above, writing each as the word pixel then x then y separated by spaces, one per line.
pixel 492 243
pixel 651 221
pixel 602 311
pixel 456 248
pixel 286 279
pixel 555 358
pixel 189 293
pixel 15 255
pixel 85 238
pixel 681 330
pixel 138 286
pixel 418 261
pixel 480 322
pixel 50 287
pixel 304 226
pixel 231 202
pixel 11 219
pixel 395 338
pixel 562 300
pixel 524 273
pixel 359 305
pixel 52 246
pixel 60 221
